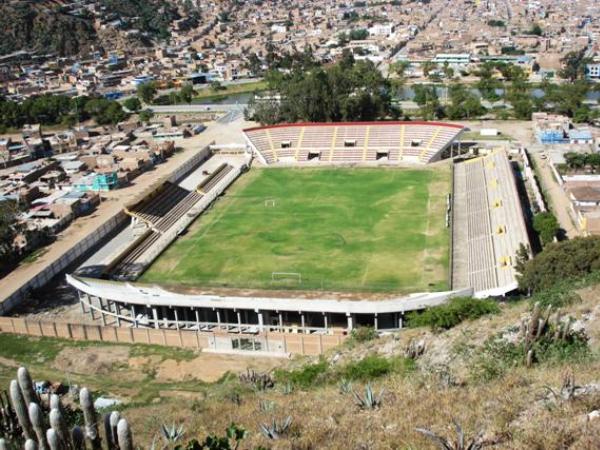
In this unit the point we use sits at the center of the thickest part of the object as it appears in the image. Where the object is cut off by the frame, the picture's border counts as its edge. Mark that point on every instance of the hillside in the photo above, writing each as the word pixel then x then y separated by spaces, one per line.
pixel 475 373
pixel 43 28
pixel 52 27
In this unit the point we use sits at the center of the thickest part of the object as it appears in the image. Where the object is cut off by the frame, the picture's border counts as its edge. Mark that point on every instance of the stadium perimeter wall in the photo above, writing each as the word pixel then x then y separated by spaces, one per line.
pixel 59 265
pixel 277 344
pixel 12 299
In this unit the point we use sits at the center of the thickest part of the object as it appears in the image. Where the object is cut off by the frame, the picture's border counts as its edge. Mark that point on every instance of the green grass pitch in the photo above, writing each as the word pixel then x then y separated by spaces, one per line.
pixel 341 229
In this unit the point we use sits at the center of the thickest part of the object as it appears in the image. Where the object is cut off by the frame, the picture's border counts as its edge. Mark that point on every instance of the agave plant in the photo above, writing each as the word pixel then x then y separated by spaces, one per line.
pixel 287 388
pixel 266 405
pixel 477 443
pixel 172 434
pixel 276 429
pixel 369 400
pixel 345 386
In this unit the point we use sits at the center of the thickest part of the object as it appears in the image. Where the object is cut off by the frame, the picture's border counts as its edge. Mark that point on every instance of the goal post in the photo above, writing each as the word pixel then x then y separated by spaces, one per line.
pixel 282 277
pixel 270 202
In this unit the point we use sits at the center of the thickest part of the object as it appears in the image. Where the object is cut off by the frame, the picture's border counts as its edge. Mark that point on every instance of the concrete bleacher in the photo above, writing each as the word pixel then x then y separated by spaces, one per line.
pixel 161 211
pixel 488 225
pixel 213 179
pixel 165 208
pixel 417 142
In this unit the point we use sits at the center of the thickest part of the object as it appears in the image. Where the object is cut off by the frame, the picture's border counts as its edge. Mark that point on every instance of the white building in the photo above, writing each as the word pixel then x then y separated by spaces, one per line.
pixel 593 71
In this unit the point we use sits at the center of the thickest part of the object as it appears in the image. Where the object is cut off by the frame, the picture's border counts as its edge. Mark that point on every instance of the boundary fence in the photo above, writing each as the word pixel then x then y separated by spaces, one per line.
pixel 279 344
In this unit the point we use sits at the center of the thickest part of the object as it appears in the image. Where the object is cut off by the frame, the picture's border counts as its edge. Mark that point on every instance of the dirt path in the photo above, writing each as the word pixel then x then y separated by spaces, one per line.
pixel 561 206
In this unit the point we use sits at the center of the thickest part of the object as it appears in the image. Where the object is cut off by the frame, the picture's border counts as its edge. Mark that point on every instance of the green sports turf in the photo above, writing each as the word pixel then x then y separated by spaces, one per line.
pixel 341 229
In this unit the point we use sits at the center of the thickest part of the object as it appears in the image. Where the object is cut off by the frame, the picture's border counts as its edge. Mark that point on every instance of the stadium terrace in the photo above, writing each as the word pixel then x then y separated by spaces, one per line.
pixel 159 272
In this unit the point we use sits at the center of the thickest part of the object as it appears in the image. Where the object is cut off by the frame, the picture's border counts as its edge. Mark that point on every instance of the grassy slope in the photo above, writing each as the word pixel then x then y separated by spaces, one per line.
pixel 342 229
pixel 508 409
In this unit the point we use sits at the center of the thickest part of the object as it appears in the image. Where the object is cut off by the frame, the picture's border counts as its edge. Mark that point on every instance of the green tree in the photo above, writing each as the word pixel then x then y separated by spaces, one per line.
pixel 147 91
pixel 448 71
pixel 358 34
pixel 428 67
pixel 535 30
pixel 424 93
pixel 561 261
pixel 348 90
pixel 399 68
pixel 567 98
pixel 146 115
pixel 522 108
pixel 546 225
pixel 574 65
pixel 9 229
pixel 216 86
pixel 133 104
pixel 522 256
pixel 463 103
pixel 186 93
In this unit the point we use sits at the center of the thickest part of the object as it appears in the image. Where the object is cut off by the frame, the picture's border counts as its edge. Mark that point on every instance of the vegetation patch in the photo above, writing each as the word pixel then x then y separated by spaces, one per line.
pixel 567 260
pixel 373 366
pixel 450 314
pixel 365 369
pixel 497 356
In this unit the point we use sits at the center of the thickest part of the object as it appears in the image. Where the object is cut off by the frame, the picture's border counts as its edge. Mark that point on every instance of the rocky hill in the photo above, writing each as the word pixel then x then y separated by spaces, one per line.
pixel 41 27
pixel 66 29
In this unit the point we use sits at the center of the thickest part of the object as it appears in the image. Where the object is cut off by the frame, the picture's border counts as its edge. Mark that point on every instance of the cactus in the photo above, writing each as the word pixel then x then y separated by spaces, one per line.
pixel 37 421
pixel 58 424
pixel 287 388
pixel 541 327
pixel 260 381
pixel 19 420
pixel 78 438
pixel 26 385
pixel 21 409
pixel 9 423
pixel 89 416
pixel 124 435
pixel 110 429
pixel 529 358
pixel 55 403
pixel 53 440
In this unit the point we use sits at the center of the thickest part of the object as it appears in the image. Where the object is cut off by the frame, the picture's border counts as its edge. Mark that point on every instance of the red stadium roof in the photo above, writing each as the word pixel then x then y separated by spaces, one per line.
pixel 335 124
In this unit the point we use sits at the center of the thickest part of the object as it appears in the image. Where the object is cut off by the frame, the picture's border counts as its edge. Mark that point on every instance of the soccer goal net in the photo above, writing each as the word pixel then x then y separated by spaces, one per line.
pixel 286 277
pixel 270 202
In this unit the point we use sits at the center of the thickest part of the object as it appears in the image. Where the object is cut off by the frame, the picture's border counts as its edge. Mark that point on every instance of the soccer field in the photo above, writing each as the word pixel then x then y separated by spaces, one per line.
pixel 336 229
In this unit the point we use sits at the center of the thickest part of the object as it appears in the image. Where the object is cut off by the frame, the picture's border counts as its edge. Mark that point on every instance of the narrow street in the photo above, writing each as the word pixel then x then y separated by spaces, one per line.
pixel 556 197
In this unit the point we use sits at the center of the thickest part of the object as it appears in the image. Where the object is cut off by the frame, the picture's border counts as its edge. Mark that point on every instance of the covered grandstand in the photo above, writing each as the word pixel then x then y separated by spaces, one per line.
pixel 352 142
pixel 488 225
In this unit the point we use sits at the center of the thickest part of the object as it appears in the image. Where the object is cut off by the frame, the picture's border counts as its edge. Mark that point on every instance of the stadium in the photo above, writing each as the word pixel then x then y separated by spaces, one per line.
pixel 311 229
